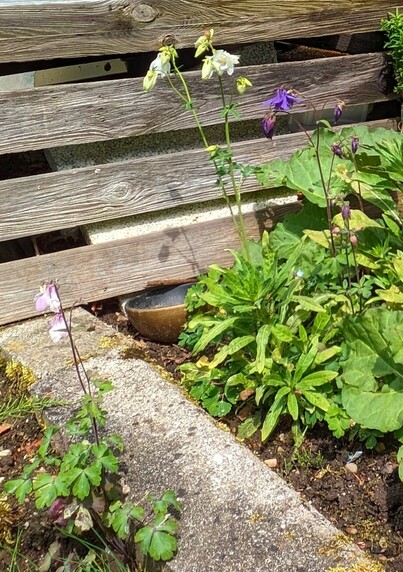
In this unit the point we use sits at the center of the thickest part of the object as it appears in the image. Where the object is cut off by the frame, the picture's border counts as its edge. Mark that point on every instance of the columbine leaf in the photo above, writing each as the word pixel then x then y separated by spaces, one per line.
pixel 169 499
pixel 158 540
pixel 19 487
pixel 47 488
pixel 105 457
pixel 77 454
pixel 81 487
pixel 119 517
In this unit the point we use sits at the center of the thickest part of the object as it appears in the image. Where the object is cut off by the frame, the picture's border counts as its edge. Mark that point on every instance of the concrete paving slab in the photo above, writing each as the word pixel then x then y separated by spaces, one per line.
pixel 238 515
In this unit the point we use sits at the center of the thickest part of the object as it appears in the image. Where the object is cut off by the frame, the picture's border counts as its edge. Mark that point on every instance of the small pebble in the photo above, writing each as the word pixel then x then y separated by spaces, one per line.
pixel 272 463
pixel 351 468
pixel 5 453
pixel 350 530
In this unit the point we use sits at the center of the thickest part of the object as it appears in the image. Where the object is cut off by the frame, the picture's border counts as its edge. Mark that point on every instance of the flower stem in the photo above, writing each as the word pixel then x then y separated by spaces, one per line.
pixel 236 187
pixel 78 362
pixel 188 100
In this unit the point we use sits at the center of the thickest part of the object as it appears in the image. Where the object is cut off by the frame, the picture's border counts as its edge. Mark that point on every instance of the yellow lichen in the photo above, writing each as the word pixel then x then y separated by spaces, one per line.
pixel 339 542
pixel 361 566
pixel 106 342
pixel 254 518
pixel 6 522
pixel 19 376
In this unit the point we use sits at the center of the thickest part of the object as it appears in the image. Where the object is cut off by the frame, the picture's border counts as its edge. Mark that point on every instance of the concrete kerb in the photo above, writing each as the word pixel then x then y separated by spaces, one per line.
pixel 238 515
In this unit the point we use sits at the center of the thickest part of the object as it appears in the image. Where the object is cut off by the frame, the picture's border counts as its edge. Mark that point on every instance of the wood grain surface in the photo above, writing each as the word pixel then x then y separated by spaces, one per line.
pixel 98 272
pixel 31 30
pixel 47 117
pixel 54 201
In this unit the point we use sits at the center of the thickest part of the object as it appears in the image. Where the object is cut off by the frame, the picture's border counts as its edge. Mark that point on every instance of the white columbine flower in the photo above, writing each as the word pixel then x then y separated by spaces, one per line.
pixel 220 62
pixel 161 65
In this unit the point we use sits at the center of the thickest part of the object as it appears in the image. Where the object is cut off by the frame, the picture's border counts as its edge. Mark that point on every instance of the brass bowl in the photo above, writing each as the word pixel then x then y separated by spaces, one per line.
pixel 159 315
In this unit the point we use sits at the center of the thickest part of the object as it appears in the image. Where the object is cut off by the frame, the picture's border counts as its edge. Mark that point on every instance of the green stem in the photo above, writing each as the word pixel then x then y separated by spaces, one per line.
pixel 326 192
pixel 77 361
pixel 188 100
pixel 236 187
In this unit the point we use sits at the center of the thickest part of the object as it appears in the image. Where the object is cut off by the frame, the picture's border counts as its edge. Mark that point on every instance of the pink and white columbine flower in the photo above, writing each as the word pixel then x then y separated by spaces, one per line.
pixel 57 328
pixel 47 299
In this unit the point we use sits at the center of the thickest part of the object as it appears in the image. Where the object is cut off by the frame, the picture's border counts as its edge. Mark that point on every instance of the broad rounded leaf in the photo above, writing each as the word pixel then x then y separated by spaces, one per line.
pixel 381 410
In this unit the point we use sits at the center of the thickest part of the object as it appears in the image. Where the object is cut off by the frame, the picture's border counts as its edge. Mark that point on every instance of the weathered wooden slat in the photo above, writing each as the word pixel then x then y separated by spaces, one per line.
pixel 42 203
pixel 82 113
pixel 93 27
pixel 97 272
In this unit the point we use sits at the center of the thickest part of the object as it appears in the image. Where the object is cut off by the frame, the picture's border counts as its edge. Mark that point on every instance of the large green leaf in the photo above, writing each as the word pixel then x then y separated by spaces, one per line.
pixel 381 410
pixel 373 371
pixel 375 346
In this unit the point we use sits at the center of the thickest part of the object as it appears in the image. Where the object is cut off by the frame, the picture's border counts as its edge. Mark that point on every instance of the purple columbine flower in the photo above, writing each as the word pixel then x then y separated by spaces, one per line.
pixel 355 143
pixel 337 150
pixel 268 123
pixel 47 299
pixel 283 100
pixel 57 328
pixel 346 211
pixel 338 110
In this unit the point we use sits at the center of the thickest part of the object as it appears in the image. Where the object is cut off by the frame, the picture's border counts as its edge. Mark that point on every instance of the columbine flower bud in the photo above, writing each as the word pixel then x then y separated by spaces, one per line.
pixel 241 84
pixel 336 230
pixel 355 143
pixel 338 110
pixel 337 150
pixel 353 240
pixel 346 212
pixel 207 68
pixel 268 123
pixel 203 44
pixel 150 79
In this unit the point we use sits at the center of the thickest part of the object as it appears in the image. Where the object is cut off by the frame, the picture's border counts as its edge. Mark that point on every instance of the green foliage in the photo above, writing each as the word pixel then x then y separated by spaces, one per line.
pixel 267 342
pixel 322 295
pixel 17 407
pixel 80 488
pixel 374 171
pixel 393 26
pixel 373 369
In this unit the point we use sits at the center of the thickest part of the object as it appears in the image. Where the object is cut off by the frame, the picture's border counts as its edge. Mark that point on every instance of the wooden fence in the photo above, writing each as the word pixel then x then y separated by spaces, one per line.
pixel 45 117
